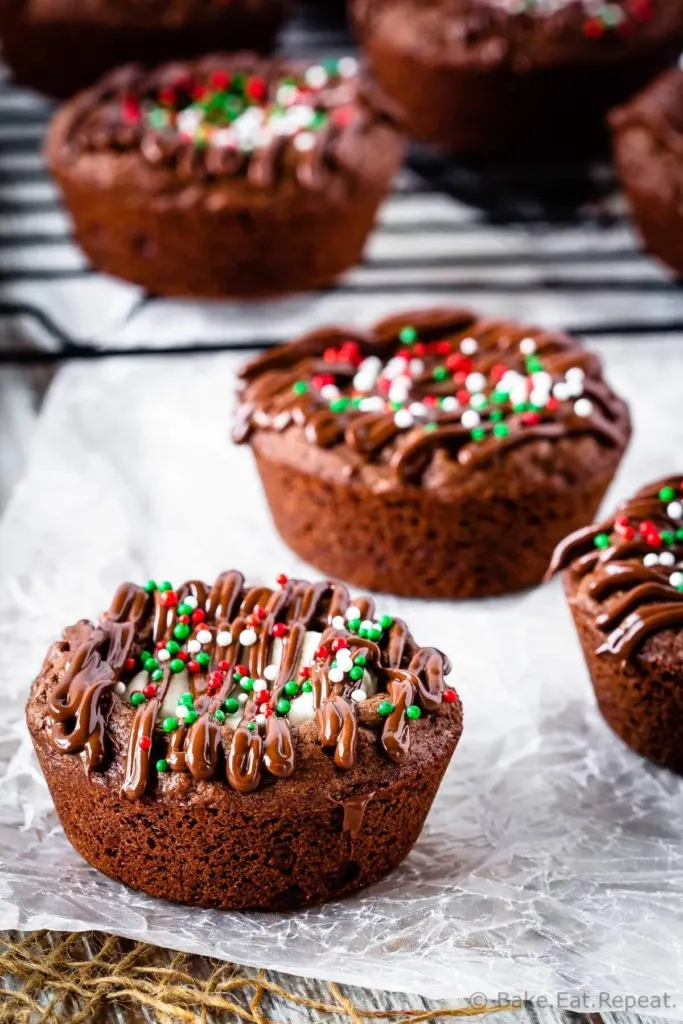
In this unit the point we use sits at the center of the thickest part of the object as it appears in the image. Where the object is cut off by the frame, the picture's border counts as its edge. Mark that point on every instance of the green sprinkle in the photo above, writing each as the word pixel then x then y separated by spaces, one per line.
pixel 186 699
pixel 668 537
pixel 679 534
pixel 247 683
pixel 413 711
pixel 386 622
pixel 385 708
pixel 440 373
pixel 339 404
pixel 172 647
pixel 375 633
pixel 219 715
pixel 292 688
pixel 478 434
pixel 169 724
pixel 430 427
pixel 407 335
pixel 283 707
pixel 162 765
pixel 306 687
pixel 353 625
pixel 360 659
pixel 157 675
pixel 533 364
pixel 231 705
pixel 501 430
pixel 251 726
pixel 497 415
pixel 601 540
pixel 185 609
pixel 203 658
pixel 150 586
pixel 137 698
pixel 356 672
pixel 176 665
pixel 521 407
pixel 300 387
pixel 181 631
pixel 498 397
pixel 191 717
pixel 165 585
pixel 144 657
pixel 667 494
pixel 151 665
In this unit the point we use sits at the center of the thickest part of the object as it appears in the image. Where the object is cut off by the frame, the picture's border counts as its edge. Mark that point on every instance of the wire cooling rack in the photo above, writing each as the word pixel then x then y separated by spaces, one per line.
pixel 552 245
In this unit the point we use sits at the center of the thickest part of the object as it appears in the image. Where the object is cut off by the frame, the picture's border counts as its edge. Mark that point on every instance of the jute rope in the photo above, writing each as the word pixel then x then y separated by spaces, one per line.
pixel 54 978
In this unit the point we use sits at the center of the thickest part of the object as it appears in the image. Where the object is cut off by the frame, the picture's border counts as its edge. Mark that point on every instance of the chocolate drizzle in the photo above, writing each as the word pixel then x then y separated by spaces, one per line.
pixel 633 561
pixel 348 388
pixel 95 663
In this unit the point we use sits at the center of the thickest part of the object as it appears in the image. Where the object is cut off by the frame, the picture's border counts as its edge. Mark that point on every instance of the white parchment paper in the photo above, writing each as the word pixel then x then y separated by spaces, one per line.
pixel 553 857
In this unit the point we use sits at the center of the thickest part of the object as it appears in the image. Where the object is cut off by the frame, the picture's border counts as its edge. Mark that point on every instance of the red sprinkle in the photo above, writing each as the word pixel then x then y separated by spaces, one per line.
pixel 279 629
pixel 144 743
pixel 240 670
pixel 149 691
pixel 129 664
pixel 450 696
pixel 338 644
pixel 224 665
pixel 256 88
pixel 198 615
pixel 281 580
pixel 322 653
pixel 219 80
pixel 193 666
pixel 168 598
pixel 262 697
pixel 530 419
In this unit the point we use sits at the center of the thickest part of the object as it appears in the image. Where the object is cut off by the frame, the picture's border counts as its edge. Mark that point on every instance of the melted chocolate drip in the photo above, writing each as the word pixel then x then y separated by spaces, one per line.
pixel 646 603
pixel 269 400
pixel 80 701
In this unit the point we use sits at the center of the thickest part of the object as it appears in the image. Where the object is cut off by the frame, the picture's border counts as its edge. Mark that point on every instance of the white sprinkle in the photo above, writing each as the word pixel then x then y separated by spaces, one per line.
pixel 676 579
pixel 260 684
pixel 339 622
pixel 286 94
pixel 468 346
pixel 181 711
pixel 260 719
pixel 270 672
pixel 418 409
pixel 527 346
pixel 399 390
pixel 470 418
pixel 367 624
pixel 538 398
pixel 584 407
pixel 574 387
pixel 562 391
pixel 478 401
pixel 475 382
pixel 335 675
pixel 450 404
pixel 242 697
pixel 344 659
pixel 347 67
pixel 191 601
pixel 674 510
pixel 223 638
pixel 650 559
pixel 358 696
pixel 667 558
pixel 304 142
pixel 316 76
pixel 416 367
pixel 163 655
pixel 371 404
pixel 542 380
pixel 193 646
pixel 204 636
pixel 120 689
pixel 403 419
pixel 248 637
pixel 575 373
pixel 352 612
pixel 329 392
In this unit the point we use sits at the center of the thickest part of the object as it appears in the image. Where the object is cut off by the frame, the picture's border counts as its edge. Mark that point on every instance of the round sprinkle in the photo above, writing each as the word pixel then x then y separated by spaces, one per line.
pixel 676 580
pixel 650 560
pixel 162 765
pixel 181 631
pixel 583 407
pixel 385 708
pixel 283 707
pixel 667 558
pixel 176 665
pixel 404 419
pixel 260 685
pixel 231 705
pixel 347 67
pixel 203 659
pixel 667 494
pixel 120 688
pixel 674 510
pixel 223 638
pixel 601 540
pixel 248 637
pixel 137 698
pixel 260 719
pixel 468 346
pixel 359 696
pixel 182 712
pixel 413 711
pixel 386 622
pixel 164 655
pixel 356 672
pixel 475 382
pixel 407 335
pixel 191 601
pixel 470 419
pixel 186 699
pixel 247 683
pixel 335 675
pixel 193 646
pixel 169 724
pixel 150 586
pixel 243 698
pixel 304 142
pixel 316 76
pixel 306 687
pixel 527 346
pixel 291 688
pixel 204 636
pixel 270 673
pixel 339 622
pixel 353 612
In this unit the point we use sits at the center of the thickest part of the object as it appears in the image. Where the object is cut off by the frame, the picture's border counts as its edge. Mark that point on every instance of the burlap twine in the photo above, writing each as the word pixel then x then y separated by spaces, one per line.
pixel 56 978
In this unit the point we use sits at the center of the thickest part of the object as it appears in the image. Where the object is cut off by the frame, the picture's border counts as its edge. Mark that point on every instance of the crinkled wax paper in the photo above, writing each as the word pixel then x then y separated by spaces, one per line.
pixel 553 857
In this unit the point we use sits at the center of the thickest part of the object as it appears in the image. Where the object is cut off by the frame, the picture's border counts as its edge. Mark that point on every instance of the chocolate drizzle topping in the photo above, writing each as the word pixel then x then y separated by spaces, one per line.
pixel 436 381
pixel 237 627
pixel 633 561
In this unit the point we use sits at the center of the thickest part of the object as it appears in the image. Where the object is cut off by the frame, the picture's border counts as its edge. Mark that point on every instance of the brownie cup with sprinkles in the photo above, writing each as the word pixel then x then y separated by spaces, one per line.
pixel 439 454
pixel 648 151
pixel 530 79
pixel 243 747
pixel 624 583
pixel 61 46
pixel 227 176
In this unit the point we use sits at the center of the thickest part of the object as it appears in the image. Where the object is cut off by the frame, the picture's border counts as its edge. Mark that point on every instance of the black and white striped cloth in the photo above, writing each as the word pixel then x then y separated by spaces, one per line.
pixel 542 245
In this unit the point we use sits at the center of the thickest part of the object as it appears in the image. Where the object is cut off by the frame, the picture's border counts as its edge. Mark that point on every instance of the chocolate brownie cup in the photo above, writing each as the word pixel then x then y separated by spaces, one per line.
pixel 438 455
pixel 624 583
pixel 61 46
pixel 237 747
pixel 226 176
pixel 648 152
pixel 530 80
